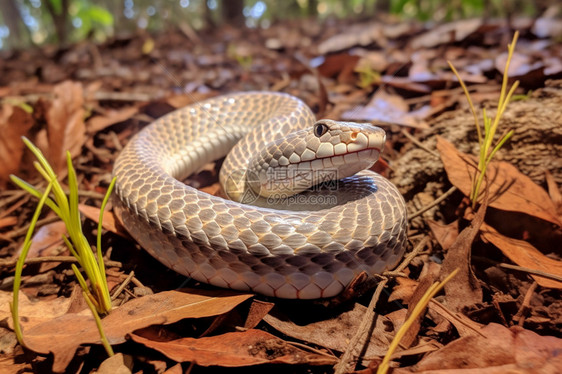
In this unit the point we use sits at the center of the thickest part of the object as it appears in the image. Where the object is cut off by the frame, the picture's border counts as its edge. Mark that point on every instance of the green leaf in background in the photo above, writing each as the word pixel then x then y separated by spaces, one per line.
pixel 57 6
pixel 99 15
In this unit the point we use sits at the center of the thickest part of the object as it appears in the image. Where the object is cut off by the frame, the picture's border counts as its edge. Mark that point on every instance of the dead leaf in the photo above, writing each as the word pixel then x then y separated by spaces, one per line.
pixel 32 313
pixel 65 123
pixel 14 123
pixel 509 189
pixel 110 117
pixel 235 349
pixel 258 310
pixel 385 108
pixel 335 333
pixel 47 241
pixel 179 101
pixel 8 365
pixel 359 34
pixel 445 234
pixel 116 364
pixel 554 192
pixel 500 350
pixel 426 280
pixel 8 221
pixel 63 335
pixel 341 65
pixel 525 255
pixel 109 222
pixel 403 290
pixel 176 369
pixel 464 325
pixel 464 289
pixel 446 33
pixel 545 27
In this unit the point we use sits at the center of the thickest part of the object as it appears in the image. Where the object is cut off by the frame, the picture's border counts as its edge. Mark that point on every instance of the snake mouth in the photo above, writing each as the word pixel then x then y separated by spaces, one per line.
pixel 363 156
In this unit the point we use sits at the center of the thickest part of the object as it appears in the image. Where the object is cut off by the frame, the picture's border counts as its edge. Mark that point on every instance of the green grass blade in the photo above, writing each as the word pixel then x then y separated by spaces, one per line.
pixel 14 307
pixel 34 192
pixel 469 99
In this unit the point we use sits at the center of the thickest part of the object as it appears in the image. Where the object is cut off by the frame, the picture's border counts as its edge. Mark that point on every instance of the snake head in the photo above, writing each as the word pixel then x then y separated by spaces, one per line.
pixel 329 150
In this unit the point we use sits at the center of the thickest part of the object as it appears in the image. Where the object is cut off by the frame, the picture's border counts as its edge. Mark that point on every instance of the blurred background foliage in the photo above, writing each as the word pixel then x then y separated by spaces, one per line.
pixel 25 23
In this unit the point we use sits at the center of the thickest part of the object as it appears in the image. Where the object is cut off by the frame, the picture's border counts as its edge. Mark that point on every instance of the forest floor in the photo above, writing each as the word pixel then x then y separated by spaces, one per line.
pixel 501 312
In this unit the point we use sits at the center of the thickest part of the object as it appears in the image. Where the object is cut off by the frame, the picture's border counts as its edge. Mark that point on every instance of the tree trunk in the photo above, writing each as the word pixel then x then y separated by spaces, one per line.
pixel 12 18
pixel 60 20
pixel 232 12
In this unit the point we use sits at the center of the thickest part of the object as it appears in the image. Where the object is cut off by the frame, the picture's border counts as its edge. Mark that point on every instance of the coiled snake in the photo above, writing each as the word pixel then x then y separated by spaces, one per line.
pixel 309 245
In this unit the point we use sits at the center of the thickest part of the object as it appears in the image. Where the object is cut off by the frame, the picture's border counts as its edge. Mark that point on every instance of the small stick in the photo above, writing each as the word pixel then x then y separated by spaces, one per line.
pixel 434 203
pixel 525 305
pixel 122 285
pixel 345 360
pixel 531 271
pixel 419 144
pixel 65 259
pixel 22 230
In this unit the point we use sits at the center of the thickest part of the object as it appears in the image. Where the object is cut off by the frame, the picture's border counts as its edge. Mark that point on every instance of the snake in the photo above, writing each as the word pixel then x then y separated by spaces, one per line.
pixel 300 215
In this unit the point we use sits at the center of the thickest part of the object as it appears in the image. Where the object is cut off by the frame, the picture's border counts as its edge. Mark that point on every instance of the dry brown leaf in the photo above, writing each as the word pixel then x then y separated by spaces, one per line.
pixel 464 325
pixel 403 290
pixel 464 289
pixel 258 310
pixel 63 335
pixel 66 130
pixel 116 364
pixel 524 254
pixel 32 313
pixel 509 189
pixel 426 280
pixel 110 117
pixel 445 234
pixel 8 365
pixel 8 221
pixel 385 108
pixel 235 349
pixel 335 333
pixel 446 33
pixel 179 101
pixel 554 192
pixel 176 369
pixel 47 241
pixel 109 222
pixel 500 350
pixel 14 123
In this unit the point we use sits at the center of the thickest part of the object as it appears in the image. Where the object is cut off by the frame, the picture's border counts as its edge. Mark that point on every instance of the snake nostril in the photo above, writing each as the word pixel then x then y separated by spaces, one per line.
pixel 354 135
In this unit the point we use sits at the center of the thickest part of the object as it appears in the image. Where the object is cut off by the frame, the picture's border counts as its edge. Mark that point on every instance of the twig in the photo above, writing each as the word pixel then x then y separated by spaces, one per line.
pixel 520 315
pixel 419 144
pixel 531 271
pixel 345 360
pixel 434 203
pixel 66 259
pixel 22 230
pixel 444 312
pixel 311 349
pixel 122 286
pixel 10 197
pixel 519 268
pixel 124 96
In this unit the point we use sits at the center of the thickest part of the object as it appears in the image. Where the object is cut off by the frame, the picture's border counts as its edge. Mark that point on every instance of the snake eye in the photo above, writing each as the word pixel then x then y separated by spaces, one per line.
pixel 320 129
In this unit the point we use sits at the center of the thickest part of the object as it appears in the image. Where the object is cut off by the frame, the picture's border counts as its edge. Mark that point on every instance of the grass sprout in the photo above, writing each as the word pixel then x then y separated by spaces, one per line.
pixel 420 306
pixel 66 208
pixel 486 137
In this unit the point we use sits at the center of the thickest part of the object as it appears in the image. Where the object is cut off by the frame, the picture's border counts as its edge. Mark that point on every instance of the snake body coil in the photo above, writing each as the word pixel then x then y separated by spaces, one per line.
pixel 306 254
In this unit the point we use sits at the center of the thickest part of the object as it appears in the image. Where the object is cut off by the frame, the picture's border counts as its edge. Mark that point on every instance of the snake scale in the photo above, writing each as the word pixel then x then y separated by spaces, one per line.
pixel 311 247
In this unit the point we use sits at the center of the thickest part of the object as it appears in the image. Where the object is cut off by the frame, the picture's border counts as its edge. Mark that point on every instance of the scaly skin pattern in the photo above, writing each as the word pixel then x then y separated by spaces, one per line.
pixel 301 254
